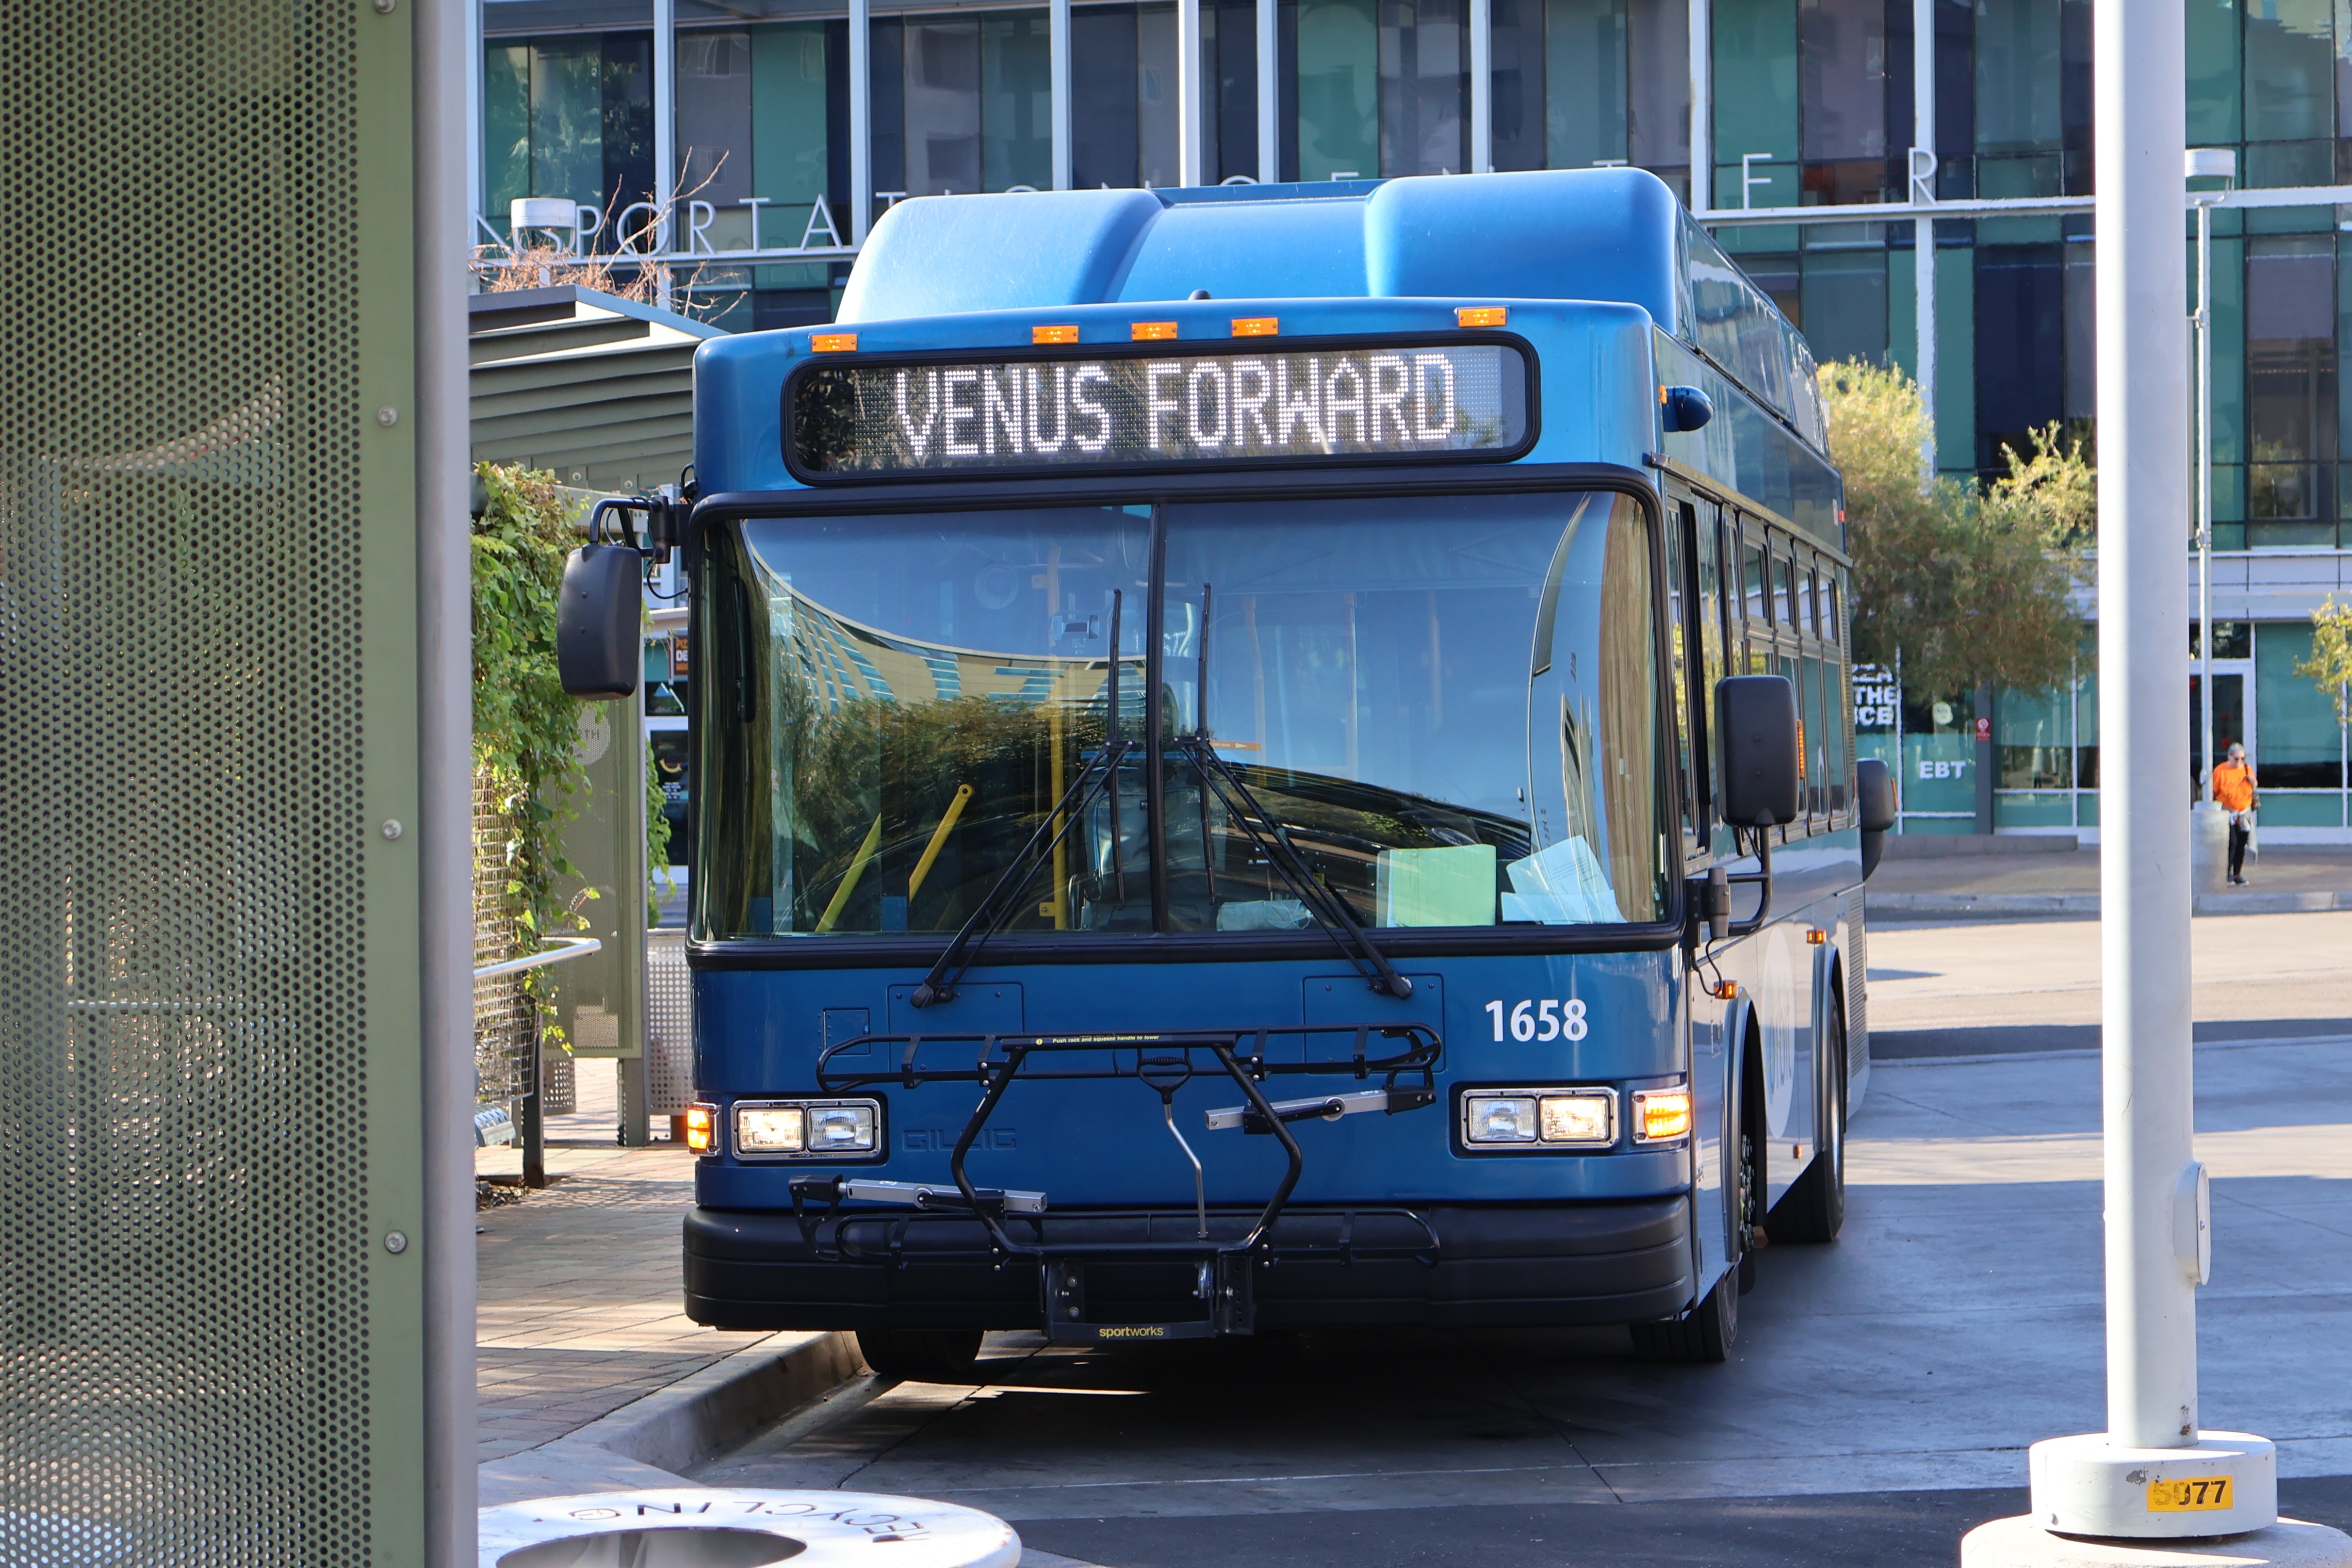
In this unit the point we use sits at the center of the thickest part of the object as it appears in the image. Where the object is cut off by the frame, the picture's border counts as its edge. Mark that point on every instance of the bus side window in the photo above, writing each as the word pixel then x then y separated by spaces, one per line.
pixel 1679 660
pixel 1709 539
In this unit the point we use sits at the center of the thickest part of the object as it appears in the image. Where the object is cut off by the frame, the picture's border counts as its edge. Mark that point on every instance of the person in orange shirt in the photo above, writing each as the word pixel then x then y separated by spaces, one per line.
pixel 2233 791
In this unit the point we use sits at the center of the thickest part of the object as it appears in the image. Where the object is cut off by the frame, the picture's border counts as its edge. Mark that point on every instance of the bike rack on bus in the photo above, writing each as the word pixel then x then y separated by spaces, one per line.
pixel 1164 1062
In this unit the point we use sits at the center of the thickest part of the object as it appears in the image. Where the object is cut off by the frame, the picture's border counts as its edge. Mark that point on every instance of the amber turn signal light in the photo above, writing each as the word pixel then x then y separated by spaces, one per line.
pixel 700 1119
pixel 1481 316
pixel 834 343
pixel 1151 332
pixel 1053 334
pixel 1256 326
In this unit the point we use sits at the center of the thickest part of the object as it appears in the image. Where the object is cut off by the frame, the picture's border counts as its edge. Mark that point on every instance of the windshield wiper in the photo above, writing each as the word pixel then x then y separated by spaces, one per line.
pixel 1224 781
pixel 997 907
pixel 994 908
pixel 1266 832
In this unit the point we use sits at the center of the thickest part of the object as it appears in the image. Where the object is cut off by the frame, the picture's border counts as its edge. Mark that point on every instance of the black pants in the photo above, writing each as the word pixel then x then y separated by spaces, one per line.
pixel 2237 849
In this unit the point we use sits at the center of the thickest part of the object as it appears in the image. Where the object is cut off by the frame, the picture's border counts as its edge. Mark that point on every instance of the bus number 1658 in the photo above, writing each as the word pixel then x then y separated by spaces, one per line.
pixel 1544 1020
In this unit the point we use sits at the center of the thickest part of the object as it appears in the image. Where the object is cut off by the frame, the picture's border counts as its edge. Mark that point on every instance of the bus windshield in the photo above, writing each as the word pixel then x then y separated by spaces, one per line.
pixel 1449 707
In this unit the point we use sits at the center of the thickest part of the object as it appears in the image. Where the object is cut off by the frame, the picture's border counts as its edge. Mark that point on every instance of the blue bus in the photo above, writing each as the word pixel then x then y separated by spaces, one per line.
pixel 1268 757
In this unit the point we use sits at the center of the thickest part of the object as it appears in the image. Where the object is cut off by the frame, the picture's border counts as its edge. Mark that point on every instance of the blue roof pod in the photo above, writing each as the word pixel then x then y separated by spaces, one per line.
pixel 1562 234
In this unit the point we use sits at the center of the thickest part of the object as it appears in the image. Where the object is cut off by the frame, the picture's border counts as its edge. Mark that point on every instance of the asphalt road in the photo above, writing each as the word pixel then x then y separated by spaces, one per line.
pixel 1881 1396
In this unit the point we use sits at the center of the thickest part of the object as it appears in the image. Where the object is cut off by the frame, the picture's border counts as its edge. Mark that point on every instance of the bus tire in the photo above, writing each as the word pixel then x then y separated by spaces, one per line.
pixel 1749 1149
pixel 921 1355
pixel 1702 1334
pixel 1814 1210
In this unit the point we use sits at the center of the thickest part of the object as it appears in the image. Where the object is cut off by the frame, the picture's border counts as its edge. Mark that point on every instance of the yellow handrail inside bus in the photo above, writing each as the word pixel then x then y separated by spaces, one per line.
pixel 939 840
pixel 849 878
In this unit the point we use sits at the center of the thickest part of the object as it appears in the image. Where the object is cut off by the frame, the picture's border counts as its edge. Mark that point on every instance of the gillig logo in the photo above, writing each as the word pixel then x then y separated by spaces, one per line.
pixel 1138 1332
pixel 943 1139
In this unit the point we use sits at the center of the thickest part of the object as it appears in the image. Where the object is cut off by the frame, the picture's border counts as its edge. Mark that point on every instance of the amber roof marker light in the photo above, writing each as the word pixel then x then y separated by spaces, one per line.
pixel 1482 316
pixel 1150 331
pixel 834 343
pixel 1060 334
pixel 1256 326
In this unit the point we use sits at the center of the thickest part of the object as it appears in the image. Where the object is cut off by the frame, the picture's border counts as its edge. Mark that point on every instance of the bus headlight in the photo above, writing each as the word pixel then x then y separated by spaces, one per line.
pixel 770 1128
pixel 841 1129
pixel 1551 1117
pixel 807 1128
pixel 1498 1118
pixel 1586 1117
pixel 1660 1114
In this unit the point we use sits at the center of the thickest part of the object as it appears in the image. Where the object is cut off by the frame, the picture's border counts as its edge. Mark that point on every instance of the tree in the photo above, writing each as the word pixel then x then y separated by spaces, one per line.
pixel 2329 667
pixel 1971 586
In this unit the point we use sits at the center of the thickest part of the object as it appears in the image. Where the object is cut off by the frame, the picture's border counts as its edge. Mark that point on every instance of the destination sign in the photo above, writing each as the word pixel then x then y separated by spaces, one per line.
pixel 1180 410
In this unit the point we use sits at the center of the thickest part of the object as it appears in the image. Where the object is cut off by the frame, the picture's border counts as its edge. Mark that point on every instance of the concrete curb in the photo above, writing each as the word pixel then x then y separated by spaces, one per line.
pixel 1994 906
pixel 647 1442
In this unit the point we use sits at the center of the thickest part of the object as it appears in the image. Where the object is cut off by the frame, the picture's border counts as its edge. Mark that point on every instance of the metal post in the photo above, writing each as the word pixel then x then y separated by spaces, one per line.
pixel 2204 324
pixel 1188 92
pixel 531 1124
pixel 1057 28
pixel 1702 87
pixel 665 169
pixel 2205 162
pixel 861 177
pixel 2143 885
pixel 1269 93
pixel 2127 1481
pixel 1482 87
pixel 472 44
pixel 1923 230
pixel 448 57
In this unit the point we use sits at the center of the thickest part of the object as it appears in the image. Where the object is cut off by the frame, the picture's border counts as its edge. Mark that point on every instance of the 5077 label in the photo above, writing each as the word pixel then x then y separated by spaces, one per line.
pixel 2189 1494
pixel 1543 1019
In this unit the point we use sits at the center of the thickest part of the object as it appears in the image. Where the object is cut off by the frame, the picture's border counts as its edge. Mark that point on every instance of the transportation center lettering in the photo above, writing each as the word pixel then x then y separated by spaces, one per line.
pixel 1161 411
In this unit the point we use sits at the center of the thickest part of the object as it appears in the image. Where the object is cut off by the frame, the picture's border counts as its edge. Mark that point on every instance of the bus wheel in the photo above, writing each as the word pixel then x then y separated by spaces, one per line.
pixel 1814 1209
pixel 921 1355
pixel 1704 1333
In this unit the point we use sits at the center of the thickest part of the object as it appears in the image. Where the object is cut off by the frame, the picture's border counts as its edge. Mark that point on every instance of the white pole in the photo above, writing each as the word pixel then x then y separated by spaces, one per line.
pixel 861 122
pixel 2139 128
pixel 1058 44
pixel 1482 87
pixel 2203 321
pixel 1701 85
pixel 1269 94
pixel 1923 230
pixel 1188 92
pixel 665 169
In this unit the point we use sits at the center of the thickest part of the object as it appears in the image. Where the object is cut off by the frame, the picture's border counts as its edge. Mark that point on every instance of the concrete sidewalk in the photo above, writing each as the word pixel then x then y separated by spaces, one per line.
pixel 589 1374
pixel 2287 879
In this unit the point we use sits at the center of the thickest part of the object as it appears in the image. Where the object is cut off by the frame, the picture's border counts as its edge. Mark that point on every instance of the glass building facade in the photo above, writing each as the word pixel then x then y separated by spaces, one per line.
pixel 1798 104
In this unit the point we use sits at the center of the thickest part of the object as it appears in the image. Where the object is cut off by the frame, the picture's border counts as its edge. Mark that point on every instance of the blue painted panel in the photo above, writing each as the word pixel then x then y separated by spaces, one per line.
pixel 758 1033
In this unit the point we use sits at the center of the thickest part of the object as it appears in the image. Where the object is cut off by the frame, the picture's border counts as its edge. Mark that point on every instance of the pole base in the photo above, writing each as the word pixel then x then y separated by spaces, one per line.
pixel 2083 1485
pixel 2023 1543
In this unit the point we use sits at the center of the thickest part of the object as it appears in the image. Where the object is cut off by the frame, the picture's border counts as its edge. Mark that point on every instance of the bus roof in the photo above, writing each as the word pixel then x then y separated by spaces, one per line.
pixel 1582 234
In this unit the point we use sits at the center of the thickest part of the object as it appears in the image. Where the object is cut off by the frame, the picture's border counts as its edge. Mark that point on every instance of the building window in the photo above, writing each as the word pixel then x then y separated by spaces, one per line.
pixel 1338 89
pixel 569 116
pixel 2291 389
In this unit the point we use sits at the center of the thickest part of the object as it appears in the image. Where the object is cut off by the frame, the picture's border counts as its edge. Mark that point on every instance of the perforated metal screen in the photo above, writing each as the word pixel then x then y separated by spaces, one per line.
pixel 201 903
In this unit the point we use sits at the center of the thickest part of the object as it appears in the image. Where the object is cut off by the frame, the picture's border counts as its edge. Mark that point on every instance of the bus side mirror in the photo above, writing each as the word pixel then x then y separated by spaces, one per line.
pixel 599 649
pixel 1873 799
pixel 1755 717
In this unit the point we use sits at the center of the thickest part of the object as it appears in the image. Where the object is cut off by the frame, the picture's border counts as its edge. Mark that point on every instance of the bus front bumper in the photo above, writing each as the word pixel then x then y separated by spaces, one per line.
pixel 1492 1266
